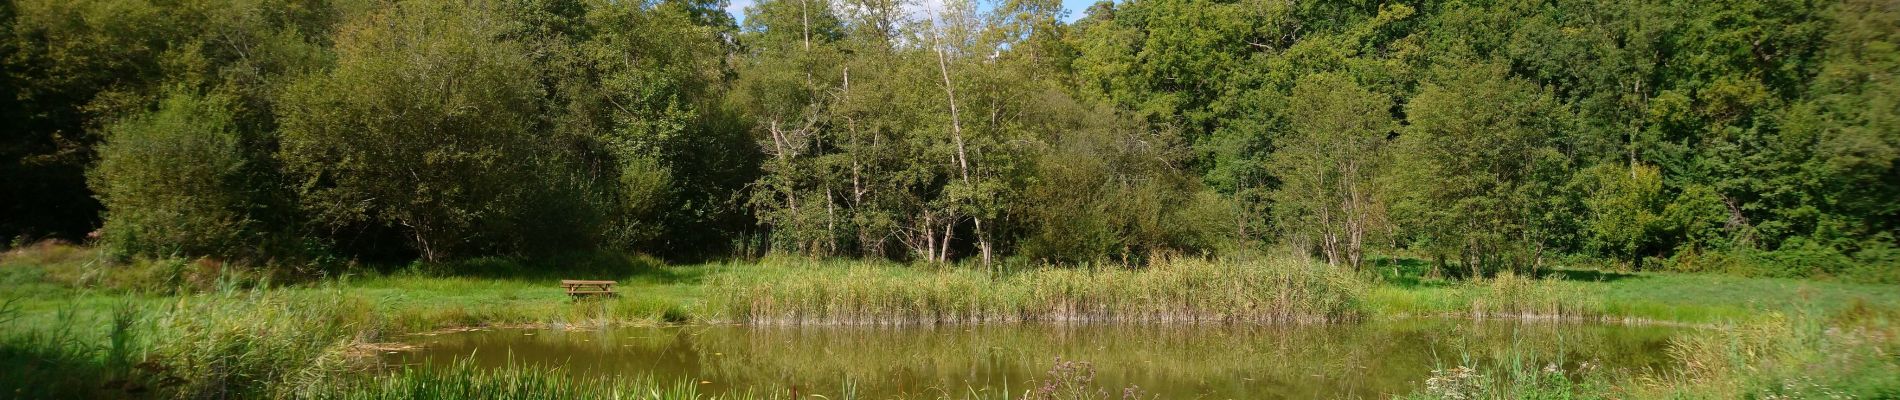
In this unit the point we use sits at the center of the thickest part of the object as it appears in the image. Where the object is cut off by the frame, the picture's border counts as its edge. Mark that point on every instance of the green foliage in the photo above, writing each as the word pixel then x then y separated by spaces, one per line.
pixel 663 159
pixel 1624 204
pixel 1747 137
pixel 422 127
pixel 172 181
pixel 1478 168
pixel 1101 193
pixel 1327 166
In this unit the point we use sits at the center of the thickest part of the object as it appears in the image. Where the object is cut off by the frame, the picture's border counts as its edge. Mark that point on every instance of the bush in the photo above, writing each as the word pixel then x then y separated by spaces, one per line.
pixel 171 181
pixel 1876 261
pixel 425 127
pixel 1110 193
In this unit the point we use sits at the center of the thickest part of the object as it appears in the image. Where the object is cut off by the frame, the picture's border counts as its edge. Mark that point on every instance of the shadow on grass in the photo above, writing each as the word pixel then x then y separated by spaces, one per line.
pixel 1406 272
pixel 581 266
pixel 1409 272
pixel 1584 275
pixel 33 373
pixel 57 365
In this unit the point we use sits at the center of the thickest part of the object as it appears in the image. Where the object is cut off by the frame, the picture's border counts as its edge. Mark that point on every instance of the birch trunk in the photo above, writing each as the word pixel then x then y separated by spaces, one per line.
pixel 963 159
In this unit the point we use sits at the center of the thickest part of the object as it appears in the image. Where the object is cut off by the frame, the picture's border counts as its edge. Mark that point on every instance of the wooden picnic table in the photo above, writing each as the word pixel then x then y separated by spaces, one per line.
pixel 578 288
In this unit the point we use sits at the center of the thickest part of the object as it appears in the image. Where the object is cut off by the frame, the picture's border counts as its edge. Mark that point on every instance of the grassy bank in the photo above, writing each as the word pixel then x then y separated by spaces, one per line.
pixel 75 324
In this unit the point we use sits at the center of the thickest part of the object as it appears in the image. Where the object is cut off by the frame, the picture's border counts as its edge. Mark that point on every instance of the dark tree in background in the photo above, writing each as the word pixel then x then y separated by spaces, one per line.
pixel 1746 137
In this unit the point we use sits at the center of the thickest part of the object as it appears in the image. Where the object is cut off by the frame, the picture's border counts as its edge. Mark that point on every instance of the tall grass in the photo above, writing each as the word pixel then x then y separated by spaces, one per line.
pixel 1851 354
pixel 258 343
pixel 236 343
pixel 798 292
pixel 60 265
pixel 1513 295
pixel 1507 296
pixel 59 361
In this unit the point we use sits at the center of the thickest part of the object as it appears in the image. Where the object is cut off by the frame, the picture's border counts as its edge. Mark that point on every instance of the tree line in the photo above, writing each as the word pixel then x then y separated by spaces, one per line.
pixel 1752 136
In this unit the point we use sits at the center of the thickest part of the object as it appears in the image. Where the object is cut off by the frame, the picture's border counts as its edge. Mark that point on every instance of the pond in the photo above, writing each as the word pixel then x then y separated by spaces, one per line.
pixel 1366 360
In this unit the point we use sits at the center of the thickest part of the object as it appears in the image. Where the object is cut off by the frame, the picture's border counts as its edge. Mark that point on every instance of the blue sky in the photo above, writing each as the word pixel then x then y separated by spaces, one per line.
pixel 1075 7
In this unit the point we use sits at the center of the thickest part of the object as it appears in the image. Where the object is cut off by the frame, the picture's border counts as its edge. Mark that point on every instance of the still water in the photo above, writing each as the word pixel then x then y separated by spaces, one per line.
pixel 1367 360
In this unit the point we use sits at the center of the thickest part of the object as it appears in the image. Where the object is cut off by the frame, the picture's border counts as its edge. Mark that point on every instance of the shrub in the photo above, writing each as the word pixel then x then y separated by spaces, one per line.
pixel 171 180
pixel 425 127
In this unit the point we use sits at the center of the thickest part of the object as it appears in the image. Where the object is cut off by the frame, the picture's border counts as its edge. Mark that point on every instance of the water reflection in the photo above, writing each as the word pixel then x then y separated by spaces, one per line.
pixel 1367 360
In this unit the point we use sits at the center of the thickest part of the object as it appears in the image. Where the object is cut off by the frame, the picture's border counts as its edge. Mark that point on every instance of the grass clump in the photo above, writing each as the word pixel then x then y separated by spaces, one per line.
pixel 239 343
pixel 793 292
pixel 64 361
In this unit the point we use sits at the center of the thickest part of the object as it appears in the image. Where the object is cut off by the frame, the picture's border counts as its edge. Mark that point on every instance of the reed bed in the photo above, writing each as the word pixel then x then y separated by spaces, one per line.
pixel 796 292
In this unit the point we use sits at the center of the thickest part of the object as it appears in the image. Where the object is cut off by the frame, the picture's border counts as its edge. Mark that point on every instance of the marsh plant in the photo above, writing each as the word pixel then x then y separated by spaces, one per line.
pixel 1075 380
pixel 1179 290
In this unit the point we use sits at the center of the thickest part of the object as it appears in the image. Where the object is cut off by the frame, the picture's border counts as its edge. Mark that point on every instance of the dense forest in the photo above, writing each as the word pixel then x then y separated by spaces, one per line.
pixel 1754 137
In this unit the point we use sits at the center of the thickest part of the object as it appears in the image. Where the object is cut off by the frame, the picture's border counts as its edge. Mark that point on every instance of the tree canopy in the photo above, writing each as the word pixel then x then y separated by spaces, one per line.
pixel 1757 137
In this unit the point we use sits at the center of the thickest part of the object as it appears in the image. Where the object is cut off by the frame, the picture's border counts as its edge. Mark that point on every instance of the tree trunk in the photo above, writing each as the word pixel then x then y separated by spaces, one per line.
pixel 963 158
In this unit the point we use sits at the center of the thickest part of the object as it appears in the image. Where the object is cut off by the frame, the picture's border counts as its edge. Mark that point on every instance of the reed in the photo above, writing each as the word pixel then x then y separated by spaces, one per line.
pixel 1516 296
pixel 1191 290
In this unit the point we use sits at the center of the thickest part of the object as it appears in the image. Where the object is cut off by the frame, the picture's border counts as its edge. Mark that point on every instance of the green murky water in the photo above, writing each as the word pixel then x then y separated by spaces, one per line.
pixel 1369 360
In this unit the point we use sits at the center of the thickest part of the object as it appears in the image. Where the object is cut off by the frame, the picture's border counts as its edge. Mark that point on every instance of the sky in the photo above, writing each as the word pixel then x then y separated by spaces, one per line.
pixel 1075 7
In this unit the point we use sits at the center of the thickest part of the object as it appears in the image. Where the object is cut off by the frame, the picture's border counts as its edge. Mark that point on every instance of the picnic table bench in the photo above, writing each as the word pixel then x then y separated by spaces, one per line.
pixel 579 288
